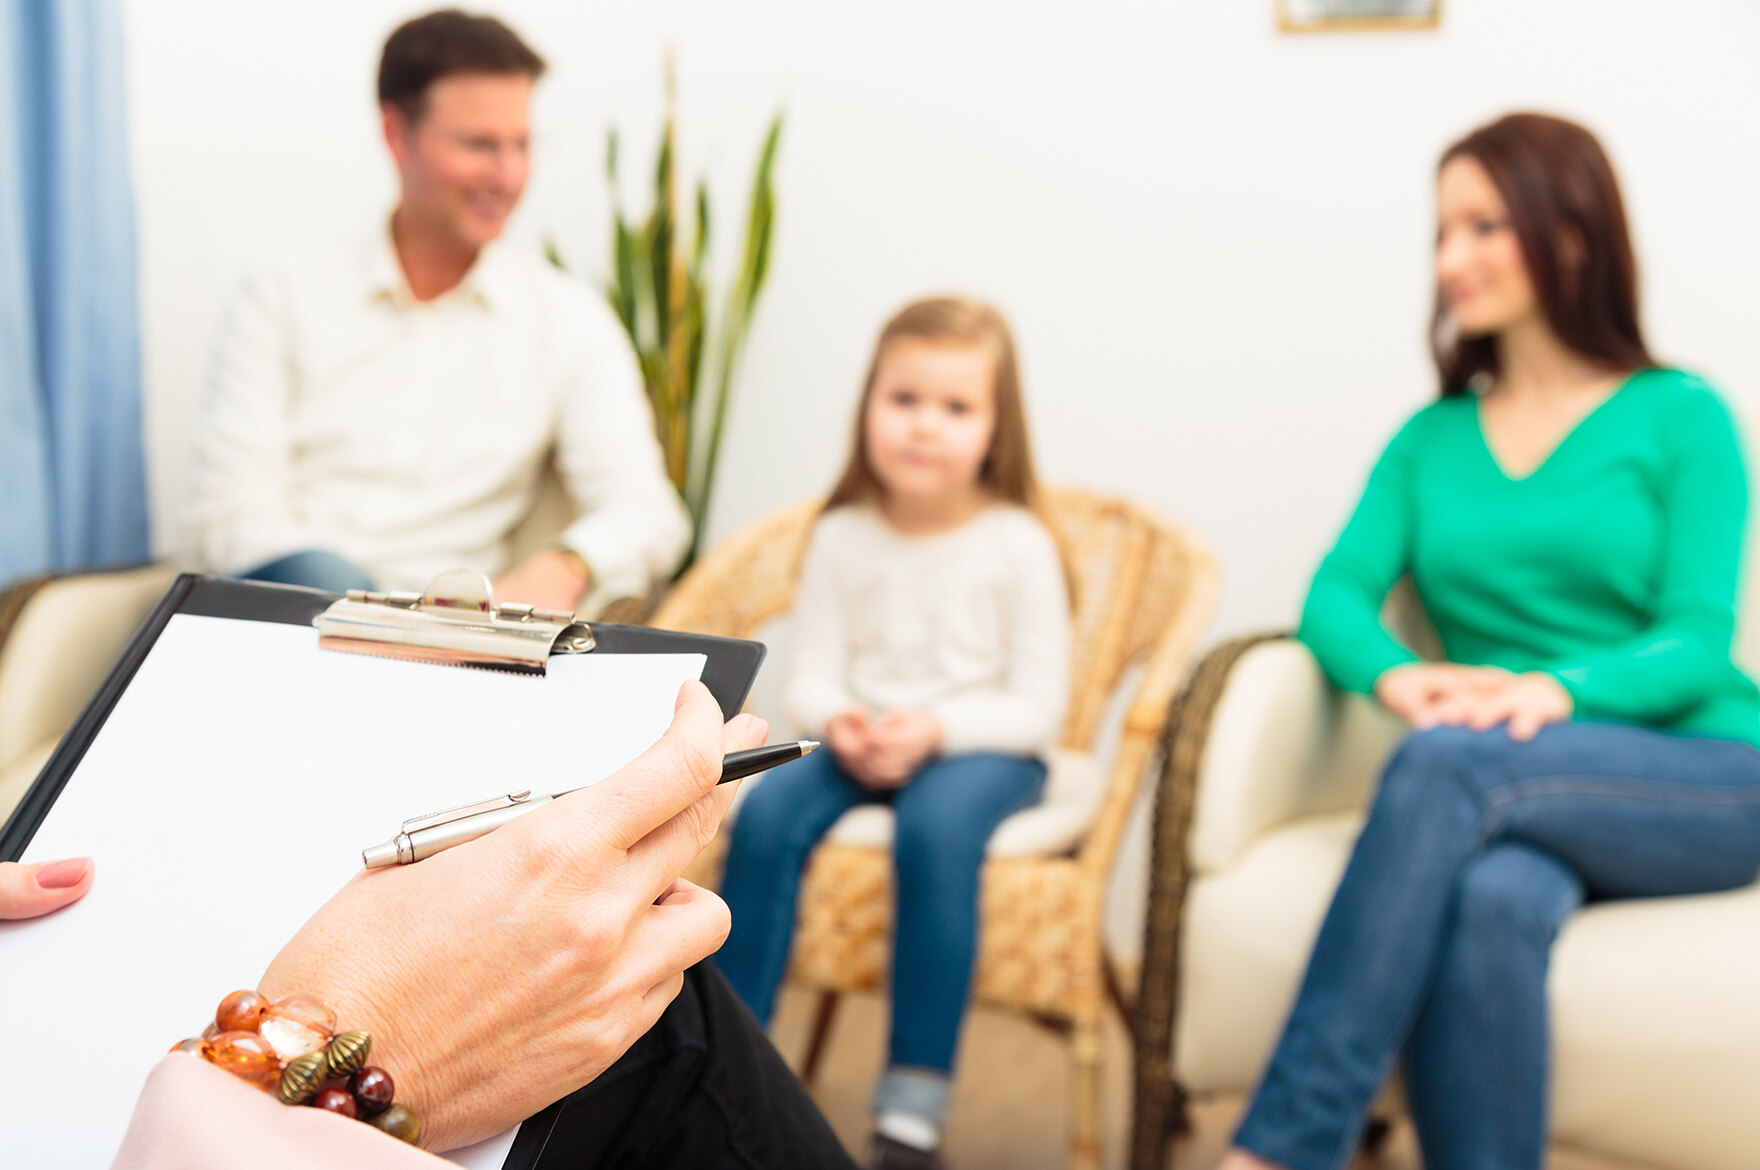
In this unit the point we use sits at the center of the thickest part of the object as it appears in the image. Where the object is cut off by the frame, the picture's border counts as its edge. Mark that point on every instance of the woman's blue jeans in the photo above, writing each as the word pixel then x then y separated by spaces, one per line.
pixel 945 816
pixel 1476 850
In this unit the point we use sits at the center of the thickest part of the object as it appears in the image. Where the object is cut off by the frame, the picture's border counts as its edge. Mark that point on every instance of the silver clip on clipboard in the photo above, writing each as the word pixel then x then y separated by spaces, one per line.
pixel 455 623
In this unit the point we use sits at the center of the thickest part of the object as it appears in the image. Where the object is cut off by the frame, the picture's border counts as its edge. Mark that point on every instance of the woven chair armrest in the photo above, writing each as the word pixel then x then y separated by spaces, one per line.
pixel 630 611
pixel 1146 718
pixel 1158 1103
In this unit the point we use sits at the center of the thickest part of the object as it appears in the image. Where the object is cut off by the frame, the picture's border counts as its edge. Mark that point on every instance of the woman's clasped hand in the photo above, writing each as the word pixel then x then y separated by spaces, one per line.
pixel 1434 694
pixel 499 976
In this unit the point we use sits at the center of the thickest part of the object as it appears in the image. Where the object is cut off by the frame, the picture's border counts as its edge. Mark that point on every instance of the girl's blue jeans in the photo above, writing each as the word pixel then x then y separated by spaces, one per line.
pixel 945 815
pixel 1476 850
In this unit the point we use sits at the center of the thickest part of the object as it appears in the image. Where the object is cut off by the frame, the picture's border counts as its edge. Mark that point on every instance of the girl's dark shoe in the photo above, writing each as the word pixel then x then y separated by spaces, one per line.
pixel 887 1154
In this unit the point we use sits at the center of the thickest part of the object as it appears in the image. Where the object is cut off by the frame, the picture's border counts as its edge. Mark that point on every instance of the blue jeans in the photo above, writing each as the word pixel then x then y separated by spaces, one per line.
pixel 315 569
pixel 1476 850
pixel 945 816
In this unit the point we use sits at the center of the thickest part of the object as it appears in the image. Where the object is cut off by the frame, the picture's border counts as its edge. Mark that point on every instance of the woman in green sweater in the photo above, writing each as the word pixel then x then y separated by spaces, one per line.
pixel 1571 515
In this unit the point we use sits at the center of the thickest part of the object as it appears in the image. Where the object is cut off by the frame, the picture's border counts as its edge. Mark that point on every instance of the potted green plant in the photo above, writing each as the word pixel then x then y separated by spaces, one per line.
pixel 660 289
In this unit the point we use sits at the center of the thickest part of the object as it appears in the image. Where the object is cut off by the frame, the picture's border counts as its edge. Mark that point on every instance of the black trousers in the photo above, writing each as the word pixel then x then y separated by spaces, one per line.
pixel 703 1090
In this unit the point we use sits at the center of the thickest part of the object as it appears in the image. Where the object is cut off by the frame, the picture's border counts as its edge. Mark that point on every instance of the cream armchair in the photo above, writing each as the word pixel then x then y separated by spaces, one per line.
pixel 59 636
pixel 1656 1003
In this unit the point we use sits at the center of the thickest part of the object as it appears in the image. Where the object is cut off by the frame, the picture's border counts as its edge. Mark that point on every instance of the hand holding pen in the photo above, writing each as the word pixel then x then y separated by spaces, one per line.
pixel 582 900
pixel 427 835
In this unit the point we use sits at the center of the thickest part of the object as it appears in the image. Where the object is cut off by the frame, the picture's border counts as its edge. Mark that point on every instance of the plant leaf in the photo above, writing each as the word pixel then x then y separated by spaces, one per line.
pixel 741 300
pixel 660 292
pixel 622 290
pixel 701 247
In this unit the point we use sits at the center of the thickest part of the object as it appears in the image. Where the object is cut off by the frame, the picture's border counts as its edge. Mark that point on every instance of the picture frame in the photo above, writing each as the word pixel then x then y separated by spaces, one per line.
pixel 1301 16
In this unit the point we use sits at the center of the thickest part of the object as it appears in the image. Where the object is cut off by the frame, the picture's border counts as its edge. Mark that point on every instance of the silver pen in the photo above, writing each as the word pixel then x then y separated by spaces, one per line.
pixel 427 835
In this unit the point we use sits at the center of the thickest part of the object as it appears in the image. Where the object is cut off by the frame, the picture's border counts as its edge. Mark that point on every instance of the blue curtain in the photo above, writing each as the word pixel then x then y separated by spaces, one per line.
pixel 72 476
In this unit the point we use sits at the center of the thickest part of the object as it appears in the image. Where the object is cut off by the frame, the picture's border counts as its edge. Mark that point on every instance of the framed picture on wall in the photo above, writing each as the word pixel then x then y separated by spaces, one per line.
pixel 1351 15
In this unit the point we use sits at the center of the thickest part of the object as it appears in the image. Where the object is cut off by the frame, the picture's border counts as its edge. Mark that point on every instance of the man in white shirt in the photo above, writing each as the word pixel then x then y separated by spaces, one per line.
pixel 379 414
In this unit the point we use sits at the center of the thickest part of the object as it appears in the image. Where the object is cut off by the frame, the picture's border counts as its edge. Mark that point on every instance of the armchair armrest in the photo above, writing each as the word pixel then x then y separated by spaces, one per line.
pixel 59 636
pixel 1257 738
pixel 1280 743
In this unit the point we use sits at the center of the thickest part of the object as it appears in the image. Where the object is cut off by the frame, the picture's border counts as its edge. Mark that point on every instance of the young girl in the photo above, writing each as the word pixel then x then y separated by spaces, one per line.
pixel 932 656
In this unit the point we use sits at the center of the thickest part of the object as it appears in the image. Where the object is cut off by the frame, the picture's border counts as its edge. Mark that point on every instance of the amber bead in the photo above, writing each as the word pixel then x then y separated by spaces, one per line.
pixel 347 1053
pixel 193 1046
pixel 301 1079
pixel 211 1031
pixel 306 1009
pixel 240 1012
pixel 296 1025
pixel 245 1055
pixel 373 1089
pixel 399 1122
pixel 336 1101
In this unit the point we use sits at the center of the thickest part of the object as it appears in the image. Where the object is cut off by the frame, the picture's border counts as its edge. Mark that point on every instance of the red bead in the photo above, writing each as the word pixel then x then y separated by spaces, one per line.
pixel 336 1101
pixel 373 1089
pixel 240 1011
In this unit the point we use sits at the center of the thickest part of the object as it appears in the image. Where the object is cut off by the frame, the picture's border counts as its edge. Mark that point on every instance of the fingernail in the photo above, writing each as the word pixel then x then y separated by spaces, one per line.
pixel 61 875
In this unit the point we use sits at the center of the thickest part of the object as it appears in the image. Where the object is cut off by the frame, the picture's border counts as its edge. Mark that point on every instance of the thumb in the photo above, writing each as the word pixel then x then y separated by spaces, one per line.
pixel 743 731
pixel 30 891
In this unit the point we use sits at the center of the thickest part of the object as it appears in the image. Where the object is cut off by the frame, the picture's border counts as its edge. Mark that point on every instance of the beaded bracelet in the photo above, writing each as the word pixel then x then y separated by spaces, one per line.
pixel 290 1047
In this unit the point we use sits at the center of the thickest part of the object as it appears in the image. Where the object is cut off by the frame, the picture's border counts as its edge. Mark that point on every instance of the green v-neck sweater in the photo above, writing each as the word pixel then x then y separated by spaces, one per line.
pixel 1612 566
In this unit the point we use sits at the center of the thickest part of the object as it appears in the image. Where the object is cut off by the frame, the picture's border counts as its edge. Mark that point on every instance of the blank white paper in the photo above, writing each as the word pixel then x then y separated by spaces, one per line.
pixel 226 798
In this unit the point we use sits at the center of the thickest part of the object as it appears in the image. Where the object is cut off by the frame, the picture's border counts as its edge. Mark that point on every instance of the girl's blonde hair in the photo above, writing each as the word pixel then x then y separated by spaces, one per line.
pixel 1007 470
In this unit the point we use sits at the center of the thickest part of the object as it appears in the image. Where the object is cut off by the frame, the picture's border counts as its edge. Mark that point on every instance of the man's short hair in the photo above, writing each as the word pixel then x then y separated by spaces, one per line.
pixel 421 51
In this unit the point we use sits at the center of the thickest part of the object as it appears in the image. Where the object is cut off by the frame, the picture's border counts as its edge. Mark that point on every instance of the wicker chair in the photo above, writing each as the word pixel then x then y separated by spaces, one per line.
pixel 1144 591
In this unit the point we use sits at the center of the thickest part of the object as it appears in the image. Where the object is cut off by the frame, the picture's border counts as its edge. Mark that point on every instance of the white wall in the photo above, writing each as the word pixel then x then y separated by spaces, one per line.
pixel 1213 239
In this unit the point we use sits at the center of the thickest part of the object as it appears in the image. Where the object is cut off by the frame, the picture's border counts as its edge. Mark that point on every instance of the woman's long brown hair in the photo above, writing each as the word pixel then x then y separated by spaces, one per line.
pixel 1007 470
pixel 1565 208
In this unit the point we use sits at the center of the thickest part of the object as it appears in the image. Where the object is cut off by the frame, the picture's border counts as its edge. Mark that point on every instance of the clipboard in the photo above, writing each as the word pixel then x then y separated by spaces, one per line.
pixel 469 629
pixel 731 667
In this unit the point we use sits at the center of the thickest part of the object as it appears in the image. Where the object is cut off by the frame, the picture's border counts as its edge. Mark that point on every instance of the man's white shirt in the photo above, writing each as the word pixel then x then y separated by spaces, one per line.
pixel 411 438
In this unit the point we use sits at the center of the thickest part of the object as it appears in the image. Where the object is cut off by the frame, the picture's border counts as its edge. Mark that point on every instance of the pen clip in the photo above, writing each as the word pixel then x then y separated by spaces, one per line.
pixel 447 816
